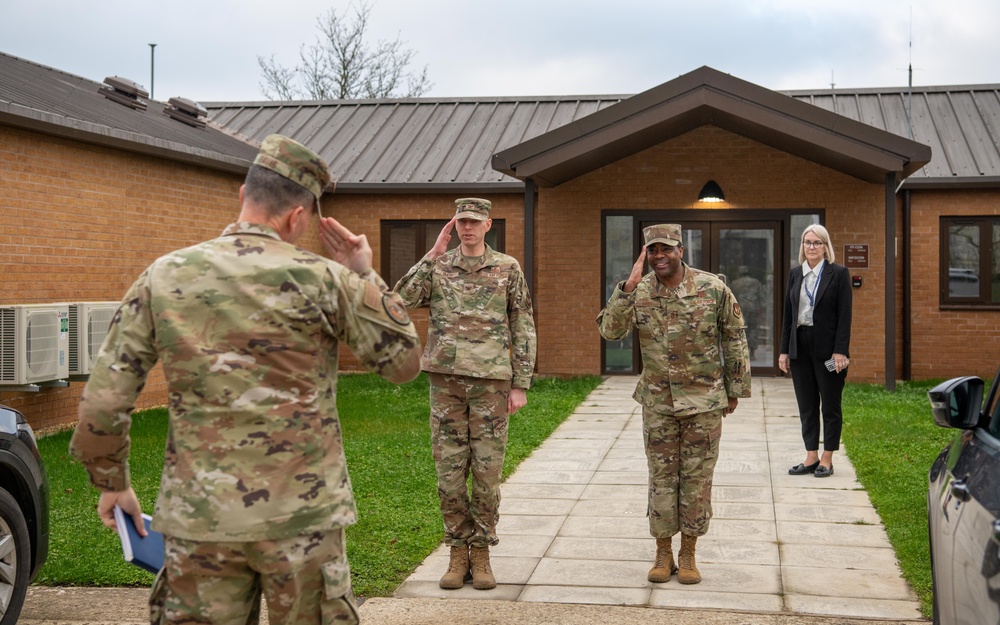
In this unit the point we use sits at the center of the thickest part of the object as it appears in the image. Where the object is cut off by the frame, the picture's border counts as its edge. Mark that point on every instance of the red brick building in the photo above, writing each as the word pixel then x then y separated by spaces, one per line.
pixel 90 193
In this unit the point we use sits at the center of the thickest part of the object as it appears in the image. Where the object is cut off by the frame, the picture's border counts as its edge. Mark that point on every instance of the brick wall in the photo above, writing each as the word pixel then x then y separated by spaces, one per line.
pixel 80 222
pixel 947 343
pixel 669 176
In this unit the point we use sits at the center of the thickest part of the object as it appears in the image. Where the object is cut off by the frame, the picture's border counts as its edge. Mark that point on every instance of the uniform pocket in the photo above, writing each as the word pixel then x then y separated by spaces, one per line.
pixel 339 606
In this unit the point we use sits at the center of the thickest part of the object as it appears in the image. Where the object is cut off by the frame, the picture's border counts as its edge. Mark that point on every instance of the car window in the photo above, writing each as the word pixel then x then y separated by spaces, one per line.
pixel 994 410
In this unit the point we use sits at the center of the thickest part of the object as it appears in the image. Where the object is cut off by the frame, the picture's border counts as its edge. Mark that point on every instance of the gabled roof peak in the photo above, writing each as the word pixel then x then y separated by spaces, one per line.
pixel 706 96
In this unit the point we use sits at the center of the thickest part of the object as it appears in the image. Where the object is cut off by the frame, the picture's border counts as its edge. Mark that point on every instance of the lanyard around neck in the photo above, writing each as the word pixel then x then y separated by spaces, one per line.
pixel 812 296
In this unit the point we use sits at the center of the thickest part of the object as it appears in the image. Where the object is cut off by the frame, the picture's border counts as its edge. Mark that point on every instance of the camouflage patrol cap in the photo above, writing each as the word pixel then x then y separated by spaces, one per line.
pixel 290 159
pixel 472 208
pixel 668 234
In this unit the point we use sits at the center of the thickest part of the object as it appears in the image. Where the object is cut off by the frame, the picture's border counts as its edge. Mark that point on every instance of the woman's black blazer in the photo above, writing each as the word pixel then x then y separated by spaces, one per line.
pixel 831 317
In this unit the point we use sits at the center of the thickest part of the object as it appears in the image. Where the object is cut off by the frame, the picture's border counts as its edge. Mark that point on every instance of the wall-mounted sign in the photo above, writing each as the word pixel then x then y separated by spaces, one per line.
pixel 856 255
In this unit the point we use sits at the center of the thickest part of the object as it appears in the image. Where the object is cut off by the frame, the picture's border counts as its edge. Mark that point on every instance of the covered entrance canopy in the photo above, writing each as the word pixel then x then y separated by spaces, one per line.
pixel 706 97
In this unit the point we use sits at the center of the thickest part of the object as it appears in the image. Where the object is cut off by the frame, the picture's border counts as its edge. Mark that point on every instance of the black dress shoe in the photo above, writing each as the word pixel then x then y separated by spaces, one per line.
pixel 802 469
pixel 822 471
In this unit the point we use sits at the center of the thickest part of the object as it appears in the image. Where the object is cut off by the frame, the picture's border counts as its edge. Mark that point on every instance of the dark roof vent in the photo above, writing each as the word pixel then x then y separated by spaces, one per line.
pixel 124 91
pixel 186 111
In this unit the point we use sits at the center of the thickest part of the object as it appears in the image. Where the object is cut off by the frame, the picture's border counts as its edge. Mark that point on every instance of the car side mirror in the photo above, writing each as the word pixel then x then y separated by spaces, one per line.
pixel 957 403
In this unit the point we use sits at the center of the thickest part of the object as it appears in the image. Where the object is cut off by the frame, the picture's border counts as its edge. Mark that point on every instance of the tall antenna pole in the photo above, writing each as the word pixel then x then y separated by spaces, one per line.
pixel 152 67
pixel 909 96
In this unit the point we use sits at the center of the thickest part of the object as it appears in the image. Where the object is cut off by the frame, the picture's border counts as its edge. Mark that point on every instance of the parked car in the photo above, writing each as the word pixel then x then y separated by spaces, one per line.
pixel 963 504
pixel 24 512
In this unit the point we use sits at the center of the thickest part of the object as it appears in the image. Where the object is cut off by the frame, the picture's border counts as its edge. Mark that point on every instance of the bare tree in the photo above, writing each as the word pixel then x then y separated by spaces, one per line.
pixel 342 65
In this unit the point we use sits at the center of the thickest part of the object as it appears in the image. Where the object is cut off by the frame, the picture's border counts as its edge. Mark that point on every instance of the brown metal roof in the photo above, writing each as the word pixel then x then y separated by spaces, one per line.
pixel 414 143
pixel 961 124
pixel 389 145
pixel 47 100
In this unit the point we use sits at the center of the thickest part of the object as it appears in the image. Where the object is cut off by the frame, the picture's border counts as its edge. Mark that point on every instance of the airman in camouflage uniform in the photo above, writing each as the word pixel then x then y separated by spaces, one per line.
pixel 255 494
pixel 480 355
pixel 695 367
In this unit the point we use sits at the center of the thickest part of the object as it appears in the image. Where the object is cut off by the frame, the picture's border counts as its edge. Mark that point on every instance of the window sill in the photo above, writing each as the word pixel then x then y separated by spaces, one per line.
pixel 969 306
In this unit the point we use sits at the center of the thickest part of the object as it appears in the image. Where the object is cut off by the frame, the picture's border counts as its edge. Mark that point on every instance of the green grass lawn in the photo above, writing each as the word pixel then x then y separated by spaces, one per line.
pixel 892 440
pixel 387 442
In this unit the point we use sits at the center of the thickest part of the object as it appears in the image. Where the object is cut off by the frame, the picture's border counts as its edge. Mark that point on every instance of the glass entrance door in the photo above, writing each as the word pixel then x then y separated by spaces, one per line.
pixel 743 253
pixel 746 257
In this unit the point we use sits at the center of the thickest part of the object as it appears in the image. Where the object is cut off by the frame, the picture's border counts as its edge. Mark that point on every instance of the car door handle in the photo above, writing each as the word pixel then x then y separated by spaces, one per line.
pixel 960 490
pixel 996 531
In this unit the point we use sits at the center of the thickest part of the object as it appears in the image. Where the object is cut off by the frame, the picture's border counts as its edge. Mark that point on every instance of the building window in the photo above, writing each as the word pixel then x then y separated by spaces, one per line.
pixel 404 242
pixel 970 261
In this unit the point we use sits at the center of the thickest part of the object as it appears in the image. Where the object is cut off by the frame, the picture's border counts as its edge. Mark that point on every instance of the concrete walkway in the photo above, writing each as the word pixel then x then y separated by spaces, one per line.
pixel 573 528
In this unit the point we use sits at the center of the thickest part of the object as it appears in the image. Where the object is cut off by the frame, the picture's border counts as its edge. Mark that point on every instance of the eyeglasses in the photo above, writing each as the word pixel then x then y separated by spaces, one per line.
pixel 812 244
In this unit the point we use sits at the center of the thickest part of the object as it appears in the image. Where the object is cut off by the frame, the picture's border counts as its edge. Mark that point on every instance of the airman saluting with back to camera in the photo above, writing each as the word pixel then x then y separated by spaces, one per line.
pixel 255 494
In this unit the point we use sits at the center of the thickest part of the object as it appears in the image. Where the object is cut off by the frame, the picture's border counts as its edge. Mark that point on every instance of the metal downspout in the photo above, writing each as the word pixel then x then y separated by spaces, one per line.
pixel 907 260
pixel 529 234
pixel 890 282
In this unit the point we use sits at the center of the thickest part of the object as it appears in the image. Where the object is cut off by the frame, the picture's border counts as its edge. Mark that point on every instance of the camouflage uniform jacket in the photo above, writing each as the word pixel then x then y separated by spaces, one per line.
pixel 247 328
pixel 681 334
pixel 478 310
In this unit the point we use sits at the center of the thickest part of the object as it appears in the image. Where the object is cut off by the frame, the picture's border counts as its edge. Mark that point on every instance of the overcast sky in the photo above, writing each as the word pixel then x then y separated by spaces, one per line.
pixel 207 50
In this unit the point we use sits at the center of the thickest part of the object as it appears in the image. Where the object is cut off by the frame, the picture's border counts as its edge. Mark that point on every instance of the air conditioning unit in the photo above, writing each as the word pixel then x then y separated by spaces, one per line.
pixel 34 343
pixel 88 325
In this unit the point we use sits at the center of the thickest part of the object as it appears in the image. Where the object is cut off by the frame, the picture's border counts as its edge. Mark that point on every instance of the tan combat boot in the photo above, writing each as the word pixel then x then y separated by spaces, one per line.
pixel 663 565
pixel 687 572
pixel 458 569
pixel 482 573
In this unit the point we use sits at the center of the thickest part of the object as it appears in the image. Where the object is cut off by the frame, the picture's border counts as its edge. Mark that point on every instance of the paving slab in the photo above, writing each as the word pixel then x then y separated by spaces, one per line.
pixel 527 490
pixel 838 557
pixel 588 595
pixel 601 573
pixel 832 534
pixel 747 494
pixel 545 507
pixel 857 583
pixel 680 597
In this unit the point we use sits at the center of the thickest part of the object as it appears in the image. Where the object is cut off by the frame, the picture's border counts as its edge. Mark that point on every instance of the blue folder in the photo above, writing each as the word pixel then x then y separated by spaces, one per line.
pixel 146 553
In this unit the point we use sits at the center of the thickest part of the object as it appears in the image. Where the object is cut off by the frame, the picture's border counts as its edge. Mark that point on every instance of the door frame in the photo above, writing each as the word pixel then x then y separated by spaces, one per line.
pixel 714 218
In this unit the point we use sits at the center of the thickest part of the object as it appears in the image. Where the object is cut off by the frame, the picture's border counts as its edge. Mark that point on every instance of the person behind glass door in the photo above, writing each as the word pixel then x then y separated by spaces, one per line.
pixel 816 328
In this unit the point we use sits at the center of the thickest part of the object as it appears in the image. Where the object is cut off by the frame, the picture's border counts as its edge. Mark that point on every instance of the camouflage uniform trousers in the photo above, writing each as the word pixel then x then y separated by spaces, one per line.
pixel 681 453
pixel 306 580
pixel 469 434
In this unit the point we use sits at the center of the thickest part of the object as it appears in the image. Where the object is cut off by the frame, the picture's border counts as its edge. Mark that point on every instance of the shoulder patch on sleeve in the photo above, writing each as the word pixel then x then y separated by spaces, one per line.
pixel 373 296
pixel 395 310
pixel 737 311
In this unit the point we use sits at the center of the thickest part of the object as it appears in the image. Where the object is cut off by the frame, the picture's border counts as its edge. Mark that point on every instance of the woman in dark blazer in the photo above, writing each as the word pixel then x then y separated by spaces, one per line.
pixel 815 331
